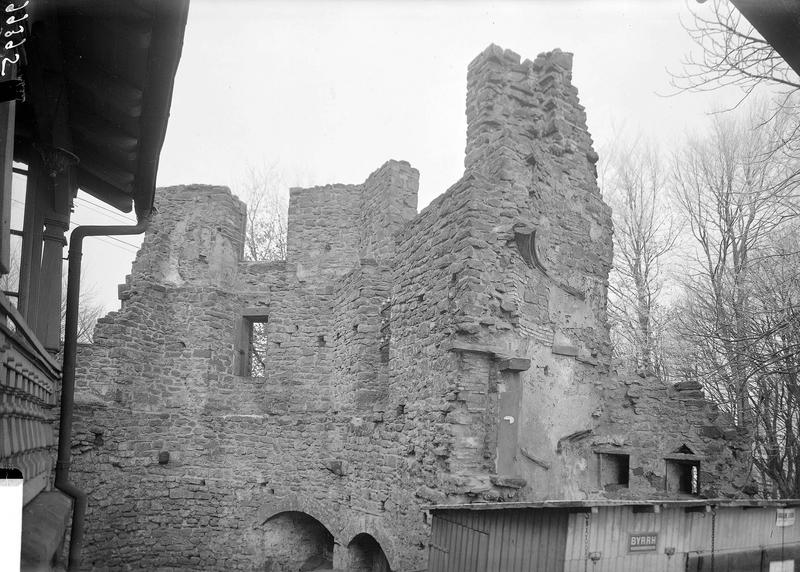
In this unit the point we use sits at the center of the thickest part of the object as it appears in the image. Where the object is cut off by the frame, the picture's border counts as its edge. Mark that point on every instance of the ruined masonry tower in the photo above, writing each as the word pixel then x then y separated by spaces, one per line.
pixel 456 355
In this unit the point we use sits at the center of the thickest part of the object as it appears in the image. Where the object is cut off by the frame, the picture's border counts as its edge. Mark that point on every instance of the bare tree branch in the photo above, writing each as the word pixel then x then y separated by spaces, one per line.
pixel 730 53
pixel 739 320
pixel 644 233
pixel 264 192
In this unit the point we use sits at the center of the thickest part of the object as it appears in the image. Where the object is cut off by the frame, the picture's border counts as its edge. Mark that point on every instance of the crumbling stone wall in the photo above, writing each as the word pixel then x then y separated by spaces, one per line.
pixel 544 297
pixel 454 355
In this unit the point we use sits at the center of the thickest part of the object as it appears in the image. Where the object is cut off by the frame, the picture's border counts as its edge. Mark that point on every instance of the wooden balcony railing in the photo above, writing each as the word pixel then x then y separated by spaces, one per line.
pixel 29 379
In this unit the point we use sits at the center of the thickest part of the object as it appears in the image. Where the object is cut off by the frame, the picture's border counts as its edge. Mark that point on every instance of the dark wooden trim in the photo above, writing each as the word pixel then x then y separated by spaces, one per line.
pixel 45 75
pixel 104 191
pixel 7 117
pixel 94 146
pixel 96 129
pixel 30 263
pixel 102 169
pixel 8 113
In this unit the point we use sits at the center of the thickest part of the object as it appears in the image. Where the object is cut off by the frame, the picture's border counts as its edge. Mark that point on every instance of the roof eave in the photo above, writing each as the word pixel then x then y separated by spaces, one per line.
pixel 778 21
pixel 164 55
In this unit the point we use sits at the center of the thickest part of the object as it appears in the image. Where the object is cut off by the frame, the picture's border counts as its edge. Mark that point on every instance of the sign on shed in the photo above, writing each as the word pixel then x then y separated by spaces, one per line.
pixel 642 541
pixel 784 517
pixel 781 566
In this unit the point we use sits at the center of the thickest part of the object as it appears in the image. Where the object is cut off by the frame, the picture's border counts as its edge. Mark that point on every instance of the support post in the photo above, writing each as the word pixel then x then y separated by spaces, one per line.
pixel 62 184
pixel 30 263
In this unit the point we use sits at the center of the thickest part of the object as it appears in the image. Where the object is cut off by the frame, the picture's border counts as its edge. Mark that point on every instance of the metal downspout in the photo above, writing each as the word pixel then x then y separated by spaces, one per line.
pixel 62 481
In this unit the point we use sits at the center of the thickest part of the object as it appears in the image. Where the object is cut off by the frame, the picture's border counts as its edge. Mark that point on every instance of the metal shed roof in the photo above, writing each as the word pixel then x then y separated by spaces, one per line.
pixel 573 504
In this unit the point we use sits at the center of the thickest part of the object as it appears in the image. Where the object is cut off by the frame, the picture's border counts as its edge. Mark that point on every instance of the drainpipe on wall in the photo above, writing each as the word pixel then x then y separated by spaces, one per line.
pixel 68 378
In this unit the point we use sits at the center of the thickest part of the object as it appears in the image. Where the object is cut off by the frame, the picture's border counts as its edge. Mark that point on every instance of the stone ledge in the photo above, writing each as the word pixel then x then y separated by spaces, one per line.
pixel 514 364
pixel 44 524
pixel 683 457
pixel 508 481
pixel 565 350
pixel 505 361
pixel 461 346
pixel 687 386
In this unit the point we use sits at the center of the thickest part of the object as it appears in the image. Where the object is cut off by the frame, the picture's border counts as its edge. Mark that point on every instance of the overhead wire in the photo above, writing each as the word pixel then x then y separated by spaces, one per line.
pixel 133 248
pixel 128 247
pixel 98 208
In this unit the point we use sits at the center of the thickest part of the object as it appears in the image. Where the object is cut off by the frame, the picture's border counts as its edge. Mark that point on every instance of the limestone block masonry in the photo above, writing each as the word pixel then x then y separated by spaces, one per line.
pixel 459 354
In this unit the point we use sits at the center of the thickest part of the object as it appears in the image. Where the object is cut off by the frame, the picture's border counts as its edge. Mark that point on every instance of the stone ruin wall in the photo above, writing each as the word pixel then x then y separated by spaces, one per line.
pixel 531 158
pixel 399 345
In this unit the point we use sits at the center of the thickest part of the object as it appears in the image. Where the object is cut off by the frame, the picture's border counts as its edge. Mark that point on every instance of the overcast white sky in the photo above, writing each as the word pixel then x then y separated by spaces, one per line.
pixel 330 90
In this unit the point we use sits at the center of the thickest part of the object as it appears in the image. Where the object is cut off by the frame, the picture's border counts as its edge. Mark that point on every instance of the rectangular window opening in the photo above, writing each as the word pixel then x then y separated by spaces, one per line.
pixel 614 470
pixel 252 348
pixel 683 476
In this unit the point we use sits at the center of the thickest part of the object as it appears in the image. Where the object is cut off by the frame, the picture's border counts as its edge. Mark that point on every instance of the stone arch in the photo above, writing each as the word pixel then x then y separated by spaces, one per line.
pixel 344 525
pixel 365 554
pixel 295 540
pixel 306 505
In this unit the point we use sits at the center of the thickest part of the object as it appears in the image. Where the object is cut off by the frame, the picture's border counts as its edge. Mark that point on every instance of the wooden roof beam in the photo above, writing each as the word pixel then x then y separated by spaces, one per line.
pixel 130 36
pixel 104 191
pixel 121 179
pixel 135 10
pixel 124 57
pixel 169 22
pixel 122 98
pixel 45 76
pixel 85 143
pixel 97 129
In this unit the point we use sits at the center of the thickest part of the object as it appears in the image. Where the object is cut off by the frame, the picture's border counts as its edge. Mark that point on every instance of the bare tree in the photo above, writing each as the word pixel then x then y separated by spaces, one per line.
pixel 644 233
pixel 263 190
pixel 731 52
pixel 735 192
pixel 773 357
pixel 10 282
pixel 88 313
pixel 90 310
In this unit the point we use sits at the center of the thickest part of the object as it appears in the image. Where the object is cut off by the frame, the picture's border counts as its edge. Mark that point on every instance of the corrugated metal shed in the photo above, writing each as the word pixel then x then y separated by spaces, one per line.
pixel 615 536
pixel 515 540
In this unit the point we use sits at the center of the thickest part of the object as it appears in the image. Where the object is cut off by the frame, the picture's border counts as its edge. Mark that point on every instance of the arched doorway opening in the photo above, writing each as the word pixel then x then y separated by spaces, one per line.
pixel 366 555
pixel 297 541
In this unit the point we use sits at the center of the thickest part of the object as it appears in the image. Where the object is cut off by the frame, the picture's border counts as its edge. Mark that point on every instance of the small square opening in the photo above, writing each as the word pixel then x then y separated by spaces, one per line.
pixel 683 477
pixel 614 470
